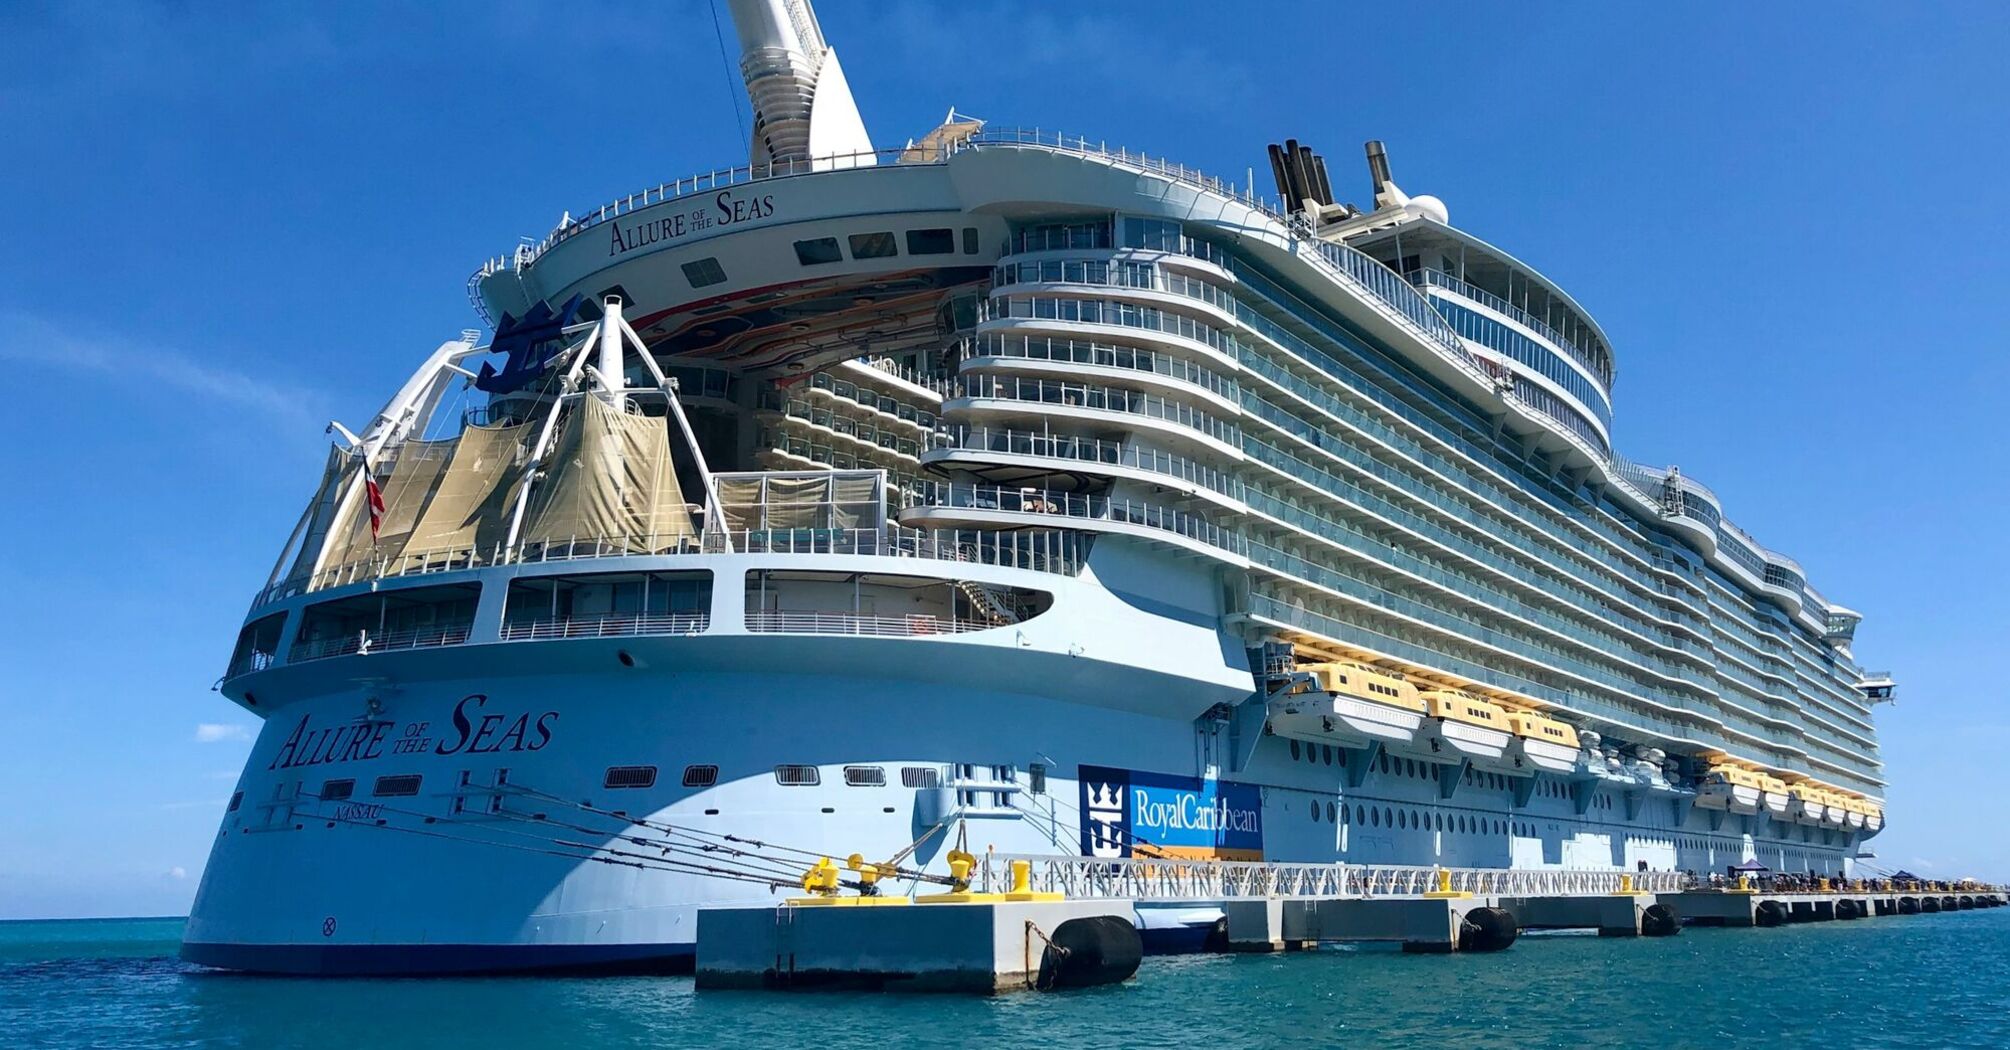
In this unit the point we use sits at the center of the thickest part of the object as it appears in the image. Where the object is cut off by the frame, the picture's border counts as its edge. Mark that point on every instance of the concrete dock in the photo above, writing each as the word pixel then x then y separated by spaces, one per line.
pixel 977 946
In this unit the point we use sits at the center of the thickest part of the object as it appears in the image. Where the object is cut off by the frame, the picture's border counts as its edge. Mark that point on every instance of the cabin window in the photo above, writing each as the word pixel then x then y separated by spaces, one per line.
pixel 704 272
pixel 873 246
pixel 818 251
pixel 970 240
pixel 1036 778
pixel 930 242
pixel 798 776
pixel 236 800
pixel 920 777
pixel 337 790
pixel 700 776
pixel 1331 816
pixel 629 777
pixel 1314 810
pixel 864 776
pixel 1294 750
pixel 1326 752
pixel 398 786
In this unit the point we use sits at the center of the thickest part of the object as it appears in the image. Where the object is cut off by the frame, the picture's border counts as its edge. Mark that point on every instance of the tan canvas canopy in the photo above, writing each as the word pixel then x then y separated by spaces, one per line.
pixel 611 482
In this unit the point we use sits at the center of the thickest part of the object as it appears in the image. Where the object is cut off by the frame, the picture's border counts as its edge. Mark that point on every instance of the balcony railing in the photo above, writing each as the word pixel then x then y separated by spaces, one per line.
pixel 365 642
pixel 911 626
pixel 968 496
pixel 1085 352
pixel 1099 399
pixel 1440 279
pixel 1087 450
pixel 613 625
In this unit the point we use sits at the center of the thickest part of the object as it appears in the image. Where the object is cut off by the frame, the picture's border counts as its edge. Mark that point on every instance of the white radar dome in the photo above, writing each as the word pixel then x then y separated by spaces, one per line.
pixel 1432 208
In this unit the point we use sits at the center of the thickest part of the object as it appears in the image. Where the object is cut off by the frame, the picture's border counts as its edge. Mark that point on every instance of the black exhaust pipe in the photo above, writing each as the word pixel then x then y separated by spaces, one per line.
pixel 1378 164
pixel 1283 182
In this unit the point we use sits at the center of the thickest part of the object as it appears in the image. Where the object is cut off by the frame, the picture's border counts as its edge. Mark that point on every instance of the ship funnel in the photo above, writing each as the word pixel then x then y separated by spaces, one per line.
pixel 804 115
pixel 1378 164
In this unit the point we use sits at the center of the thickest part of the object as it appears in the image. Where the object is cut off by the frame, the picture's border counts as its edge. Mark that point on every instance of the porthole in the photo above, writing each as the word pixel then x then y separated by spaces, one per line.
pixel 1331 816
pixel 1327 753
pixel 1294 750
pixel 1403 819
pixel 1375 818
pixel 1388 816
pixel 1314 811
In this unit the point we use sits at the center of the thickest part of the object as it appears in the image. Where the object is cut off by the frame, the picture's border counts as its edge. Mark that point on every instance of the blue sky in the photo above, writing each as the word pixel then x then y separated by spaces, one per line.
pixel 225 226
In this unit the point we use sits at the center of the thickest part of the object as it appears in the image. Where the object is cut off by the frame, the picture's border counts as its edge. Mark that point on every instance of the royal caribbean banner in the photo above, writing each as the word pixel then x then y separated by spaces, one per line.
pixel 1127 813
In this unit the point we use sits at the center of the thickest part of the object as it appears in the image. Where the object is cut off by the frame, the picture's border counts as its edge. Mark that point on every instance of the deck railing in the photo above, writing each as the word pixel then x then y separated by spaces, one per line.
pixel 1055 552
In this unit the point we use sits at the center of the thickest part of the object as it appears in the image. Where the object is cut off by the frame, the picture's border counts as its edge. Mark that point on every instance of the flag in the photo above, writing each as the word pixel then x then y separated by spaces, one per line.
pixel 373 498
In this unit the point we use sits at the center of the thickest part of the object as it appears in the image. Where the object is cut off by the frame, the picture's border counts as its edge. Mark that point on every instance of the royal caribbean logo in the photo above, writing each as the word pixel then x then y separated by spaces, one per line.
pixel 1127 813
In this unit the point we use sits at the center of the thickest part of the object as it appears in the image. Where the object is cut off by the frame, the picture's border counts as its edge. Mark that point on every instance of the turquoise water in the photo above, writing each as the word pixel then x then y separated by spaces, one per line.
pixel 1926 980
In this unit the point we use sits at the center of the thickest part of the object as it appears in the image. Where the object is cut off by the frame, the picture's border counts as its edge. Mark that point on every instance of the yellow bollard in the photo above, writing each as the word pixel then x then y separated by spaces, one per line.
pixel 1823 885
pixel 1022 876
pixel 1626 883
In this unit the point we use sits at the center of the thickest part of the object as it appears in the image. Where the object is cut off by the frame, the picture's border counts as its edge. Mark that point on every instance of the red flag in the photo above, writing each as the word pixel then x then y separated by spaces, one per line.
pixel 373 497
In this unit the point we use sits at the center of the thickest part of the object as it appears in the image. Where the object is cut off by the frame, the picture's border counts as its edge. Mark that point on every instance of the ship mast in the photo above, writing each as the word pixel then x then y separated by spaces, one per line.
pixel 804 114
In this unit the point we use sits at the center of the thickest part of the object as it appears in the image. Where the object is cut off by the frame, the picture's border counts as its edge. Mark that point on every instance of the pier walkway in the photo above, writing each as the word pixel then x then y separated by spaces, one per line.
pixel 1278 906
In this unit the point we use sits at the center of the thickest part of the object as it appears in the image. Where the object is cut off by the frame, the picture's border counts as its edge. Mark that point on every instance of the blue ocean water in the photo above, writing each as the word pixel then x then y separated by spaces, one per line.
pixel 1926 980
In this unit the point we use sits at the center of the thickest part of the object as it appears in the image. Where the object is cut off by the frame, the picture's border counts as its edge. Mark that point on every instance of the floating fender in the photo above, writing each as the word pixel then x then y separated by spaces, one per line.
pixel 1217 937
pixel 1846 909
pixel 1908 905
pixel 1659 920
pixel 1947 904
pixel 1770 913
pixel 1487 930
pixel 1966 903
pixel 1929 904
pixel 1093 950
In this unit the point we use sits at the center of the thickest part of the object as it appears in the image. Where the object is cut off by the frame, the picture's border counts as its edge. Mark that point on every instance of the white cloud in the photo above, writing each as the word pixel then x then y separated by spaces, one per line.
pixel 218 732
pixel 177 872
pixel 32 341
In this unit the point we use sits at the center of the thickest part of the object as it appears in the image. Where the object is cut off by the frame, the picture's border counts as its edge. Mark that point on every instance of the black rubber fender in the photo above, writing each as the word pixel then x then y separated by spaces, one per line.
pixel 1846 908
pixel 1947 904
pixel 1090 951
pixel 1929 905
pixel 1965 903
pixel 1770 913
pixel 1488 930
pixel 1659 920
pixel 1908 905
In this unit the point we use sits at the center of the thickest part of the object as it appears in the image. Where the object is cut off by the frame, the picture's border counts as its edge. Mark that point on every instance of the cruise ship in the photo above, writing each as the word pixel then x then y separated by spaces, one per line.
pixel 1001 492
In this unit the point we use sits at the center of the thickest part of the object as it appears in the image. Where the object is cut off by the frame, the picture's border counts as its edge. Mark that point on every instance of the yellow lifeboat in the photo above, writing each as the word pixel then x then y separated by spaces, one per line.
pixel 1773 795
pixel 1729 786
pixel 1462 725
pixel 1350 705
pixel 1541 742
pixel 1805 804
